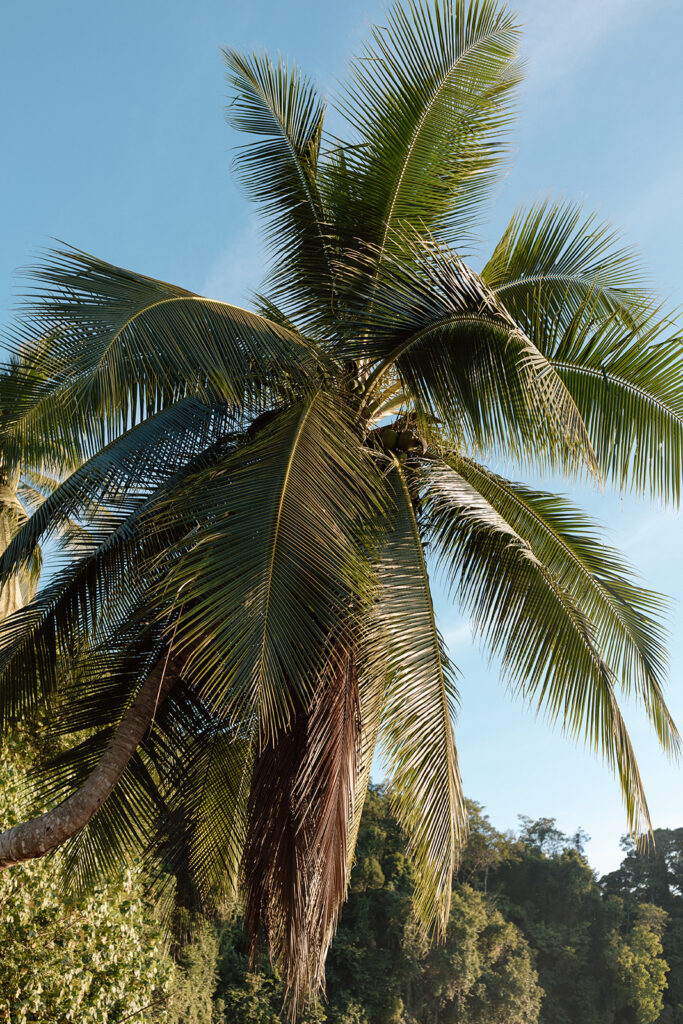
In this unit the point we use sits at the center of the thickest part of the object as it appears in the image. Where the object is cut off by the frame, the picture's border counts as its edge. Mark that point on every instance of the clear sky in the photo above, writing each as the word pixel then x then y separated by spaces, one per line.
pixel 113 140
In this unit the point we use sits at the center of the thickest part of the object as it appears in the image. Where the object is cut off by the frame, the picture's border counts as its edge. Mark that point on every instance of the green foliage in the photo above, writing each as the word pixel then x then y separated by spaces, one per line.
pixel 93 959
pixel 654 876
pixel 381 963
pixel 532 939
pixel 640 969
pixel 598 961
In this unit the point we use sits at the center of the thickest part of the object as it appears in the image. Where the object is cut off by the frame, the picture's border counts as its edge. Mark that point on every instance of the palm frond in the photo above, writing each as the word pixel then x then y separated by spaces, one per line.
pixel 554 256
pixel 275 900
pixel 546 643
pixel 626 617
pixel 83 607
pixel 458 355
pixel 23 377
pixel 119 833
pixel 204 769
pixel 297 860
pixel 282 108
pixel 428 101
pixel 123 473
pixel 325 793
pixel 124 346
pixel 275 526
pixel 373 644
pixel 419 703
pixel 628 386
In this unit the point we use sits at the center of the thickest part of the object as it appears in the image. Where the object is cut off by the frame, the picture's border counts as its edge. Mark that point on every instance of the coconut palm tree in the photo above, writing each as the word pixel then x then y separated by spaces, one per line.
pixel 263 494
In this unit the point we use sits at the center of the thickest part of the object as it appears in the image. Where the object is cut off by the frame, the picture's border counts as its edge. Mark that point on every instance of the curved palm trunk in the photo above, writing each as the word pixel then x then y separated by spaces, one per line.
pixel 39 836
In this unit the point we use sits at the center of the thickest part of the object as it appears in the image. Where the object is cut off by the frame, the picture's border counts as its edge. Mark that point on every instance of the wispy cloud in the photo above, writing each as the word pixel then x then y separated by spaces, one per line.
pixel 662 195
pixel 560 38
pixel 237 270
pixel 459 636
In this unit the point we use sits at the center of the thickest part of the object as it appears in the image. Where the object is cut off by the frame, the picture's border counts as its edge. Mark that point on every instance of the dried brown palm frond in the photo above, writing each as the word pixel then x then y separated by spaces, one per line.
pixel 300 816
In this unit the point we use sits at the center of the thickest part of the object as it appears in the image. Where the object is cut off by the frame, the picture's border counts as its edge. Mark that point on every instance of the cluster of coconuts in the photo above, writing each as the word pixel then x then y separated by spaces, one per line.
pixel 400 442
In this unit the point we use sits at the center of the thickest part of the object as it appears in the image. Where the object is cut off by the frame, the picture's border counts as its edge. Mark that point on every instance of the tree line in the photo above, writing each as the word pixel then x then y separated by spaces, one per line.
pixel 534 937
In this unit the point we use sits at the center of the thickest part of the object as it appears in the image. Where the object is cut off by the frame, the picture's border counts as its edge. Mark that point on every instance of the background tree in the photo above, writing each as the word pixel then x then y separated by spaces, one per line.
pixel 95 958
pixel 653 876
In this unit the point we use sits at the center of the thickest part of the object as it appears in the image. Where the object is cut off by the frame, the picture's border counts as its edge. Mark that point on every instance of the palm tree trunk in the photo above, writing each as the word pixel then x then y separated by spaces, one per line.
pixel 40 835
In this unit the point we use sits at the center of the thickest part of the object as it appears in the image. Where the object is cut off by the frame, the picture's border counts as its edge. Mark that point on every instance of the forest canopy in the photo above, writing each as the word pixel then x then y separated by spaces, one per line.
pixel 533 938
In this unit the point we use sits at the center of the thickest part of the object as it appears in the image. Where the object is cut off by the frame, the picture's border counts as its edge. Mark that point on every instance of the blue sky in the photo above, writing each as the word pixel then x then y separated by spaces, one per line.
pixel 113 140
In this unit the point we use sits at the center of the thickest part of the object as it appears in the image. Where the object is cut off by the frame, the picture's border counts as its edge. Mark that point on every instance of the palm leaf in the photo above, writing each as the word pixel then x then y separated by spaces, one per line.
pixel 84 606
pixel 124 346
pixel 297 859
pixel 553 256
pixel 281 107
pixel 626 617
pixel 547 645
pixel 123 473
pixel 458 355
pixel 428 101
pixel 628 385
pixel 325 794
pixel 417 733
pixel 273 527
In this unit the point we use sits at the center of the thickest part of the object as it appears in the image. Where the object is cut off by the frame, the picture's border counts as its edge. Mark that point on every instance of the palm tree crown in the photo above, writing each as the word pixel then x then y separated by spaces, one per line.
pixel 256 491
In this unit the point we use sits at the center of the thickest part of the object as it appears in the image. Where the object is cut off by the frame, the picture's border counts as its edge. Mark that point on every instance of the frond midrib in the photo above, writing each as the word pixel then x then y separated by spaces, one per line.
pixel 439 87
pixel 613 378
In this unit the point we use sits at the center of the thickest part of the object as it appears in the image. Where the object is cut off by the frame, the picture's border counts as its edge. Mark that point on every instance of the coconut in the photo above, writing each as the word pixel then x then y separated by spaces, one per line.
pixel 389 437
pixel 407 441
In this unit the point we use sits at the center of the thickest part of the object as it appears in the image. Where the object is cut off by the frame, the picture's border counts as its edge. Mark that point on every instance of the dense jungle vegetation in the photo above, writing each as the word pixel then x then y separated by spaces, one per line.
pixel 533 937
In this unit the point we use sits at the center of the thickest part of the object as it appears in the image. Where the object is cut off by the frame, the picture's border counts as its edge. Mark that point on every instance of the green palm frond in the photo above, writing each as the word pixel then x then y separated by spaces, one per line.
pixel 458 355
pixel 82 607
pixel 627 386
pixel 546 643
pixel 554 257
pixel 119 833
pixel 29 575
pixel 278 170
pixel 93 696
pixel 204 770
pixel 124 472
pixel 274 527
pixel 419 703
pixel 213 797
pixel 626 617
pixel 124 346
pixel 180 804
pixel 428 101
pixel 24 375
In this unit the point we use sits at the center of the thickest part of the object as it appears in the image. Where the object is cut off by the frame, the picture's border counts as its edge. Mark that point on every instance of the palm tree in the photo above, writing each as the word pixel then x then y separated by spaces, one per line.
pixel 260 494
